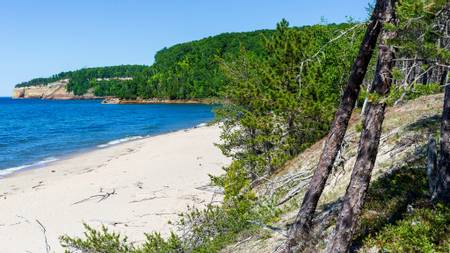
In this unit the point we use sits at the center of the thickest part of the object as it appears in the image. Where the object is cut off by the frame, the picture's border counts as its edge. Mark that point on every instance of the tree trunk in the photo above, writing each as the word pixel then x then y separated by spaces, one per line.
pixel 432 167
pixel 444 76
pixel 300 228
pixel 369 142
pixel 356 190
pixel 425 74
pixel 443 189
pixel 366 100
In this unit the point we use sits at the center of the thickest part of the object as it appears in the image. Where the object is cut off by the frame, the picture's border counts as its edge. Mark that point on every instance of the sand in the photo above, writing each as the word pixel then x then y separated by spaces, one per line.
pixel 144 183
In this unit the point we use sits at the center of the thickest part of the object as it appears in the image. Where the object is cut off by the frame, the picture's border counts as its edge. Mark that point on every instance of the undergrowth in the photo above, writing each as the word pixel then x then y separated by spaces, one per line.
pixel 425 229
pixel 399 217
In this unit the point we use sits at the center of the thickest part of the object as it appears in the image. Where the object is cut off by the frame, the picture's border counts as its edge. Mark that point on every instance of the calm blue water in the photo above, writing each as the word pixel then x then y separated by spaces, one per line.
pixel 34 132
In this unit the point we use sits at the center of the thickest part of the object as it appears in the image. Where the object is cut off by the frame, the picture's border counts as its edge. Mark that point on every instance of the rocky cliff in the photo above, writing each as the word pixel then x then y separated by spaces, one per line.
pixel 56 90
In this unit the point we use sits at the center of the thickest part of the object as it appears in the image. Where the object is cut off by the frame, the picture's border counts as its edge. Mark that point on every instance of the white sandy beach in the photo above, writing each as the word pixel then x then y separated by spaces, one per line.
pixel 151 180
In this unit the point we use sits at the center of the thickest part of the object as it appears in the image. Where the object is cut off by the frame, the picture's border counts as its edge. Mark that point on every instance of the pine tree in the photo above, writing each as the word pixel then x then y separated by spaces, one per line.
pixel 274 108
pixel 299 231
pixel 370 138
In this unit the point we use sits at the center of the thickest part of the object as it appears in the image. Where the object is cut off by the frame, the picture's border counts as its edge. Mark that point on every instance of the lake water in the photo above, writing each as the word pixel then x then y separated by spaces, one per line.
pixel 34 132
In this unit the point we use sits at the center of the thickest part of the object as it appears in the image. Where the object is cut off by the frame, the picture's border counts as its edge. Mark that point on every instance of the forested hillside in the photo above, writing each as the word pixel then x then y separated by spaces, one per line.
pixel 80 79
pixel 187 70
pixel 191 70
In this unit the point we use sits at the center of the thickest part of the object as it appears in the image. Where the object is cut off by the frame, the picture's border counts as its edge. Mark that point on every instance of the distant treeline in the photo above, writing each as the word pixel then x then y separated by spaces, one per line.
pixel 80 80
pixel 184 71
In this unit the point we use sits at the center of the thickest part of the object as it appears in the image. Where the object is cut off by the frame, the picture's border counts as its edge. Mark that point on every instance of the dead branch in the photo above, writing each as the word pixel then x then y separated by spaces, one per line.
pixel 321 50
pixel 156 213
pixel 145 199
pixel 292 193
pixel 243 241
pixel 298 176
pixel 210 188
pixel 44 231
pixel 343 33
pixel 281 231
pixel 40 183
pixel 25 219
pixel 100 196
pixel 408 86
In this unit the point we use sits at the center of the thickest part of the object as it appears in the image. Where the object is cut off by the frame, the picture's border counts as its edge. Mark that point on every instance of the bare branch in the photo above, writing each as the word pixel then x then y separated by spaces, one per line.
pixel 44 231
pixel 101 196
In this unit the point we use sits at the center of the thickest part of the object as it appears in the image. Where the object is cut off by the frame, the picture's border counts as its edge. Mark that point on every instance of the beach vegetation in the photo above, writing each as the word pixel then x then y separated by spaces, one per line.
pixel 282 97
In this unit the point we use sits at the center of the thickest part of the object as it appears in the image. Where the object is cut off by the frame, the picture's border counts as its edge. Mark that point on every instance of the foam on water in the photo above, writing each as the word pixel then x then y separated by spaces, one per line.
pixel 119 141
pixel 8 171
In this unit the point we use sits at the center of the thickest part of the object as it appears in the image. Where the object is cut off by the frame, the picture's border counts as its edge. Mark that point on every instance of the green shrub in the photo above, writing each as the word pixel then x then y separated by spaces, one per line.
pixel 359 127
pixel 423 90
pixel 155 243
pixel 417 90
pixel 205 230
pixel 104 241
pixel 97 241
pixel 425 230
pixel 389 196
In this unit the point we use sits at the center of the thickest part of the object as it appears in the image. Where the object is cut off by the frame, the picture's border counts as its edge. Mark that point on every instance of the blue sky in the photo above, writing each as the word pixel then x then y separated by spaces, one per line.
pixel 41 38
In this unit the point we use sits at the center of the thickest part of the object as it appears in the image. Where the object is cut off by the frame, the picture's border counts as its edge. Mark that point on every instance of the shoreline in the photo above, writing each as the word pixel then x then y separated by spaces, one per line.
pixel 118 101
pixel 47 161
pixel 152 180
pixel 155 101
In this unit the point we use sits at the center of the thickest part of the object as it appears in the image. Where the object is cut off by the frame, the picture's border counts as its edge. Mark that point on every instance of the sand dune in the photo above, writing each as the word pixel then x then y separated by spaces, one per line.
pixel 134 187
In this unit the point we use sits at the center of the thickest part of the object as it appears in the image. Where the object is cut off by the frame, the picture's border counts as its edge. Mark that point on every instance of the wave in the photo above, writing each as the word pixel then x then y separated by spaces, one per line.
pixel 5 172
pixel 115 142
pixel 201 125
pixel 133 138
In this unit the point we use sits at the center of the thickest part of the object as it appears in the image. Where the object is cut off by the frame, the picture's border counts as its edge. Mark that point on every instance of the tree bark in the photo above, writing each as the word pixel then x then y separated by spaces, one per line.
pixel 432 167
pixel 300 229
pixel 369 142
pixel 443 189
pixel 356 190
pixel 425 75
pixel 366 100
pixel 444 76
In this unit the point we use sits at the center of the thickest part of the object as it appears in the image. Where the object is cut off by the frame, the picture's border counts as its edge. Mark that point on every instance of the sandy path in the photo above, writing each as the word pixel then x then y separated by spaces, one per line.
pixel 152 179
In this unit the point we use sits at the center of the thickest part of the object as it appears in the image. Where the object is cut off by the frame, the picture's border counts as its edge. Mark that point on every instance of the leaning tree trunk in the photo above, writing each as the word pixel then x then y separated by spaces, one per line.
pixel 443 188
pixel 369 142
pixel 300 229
